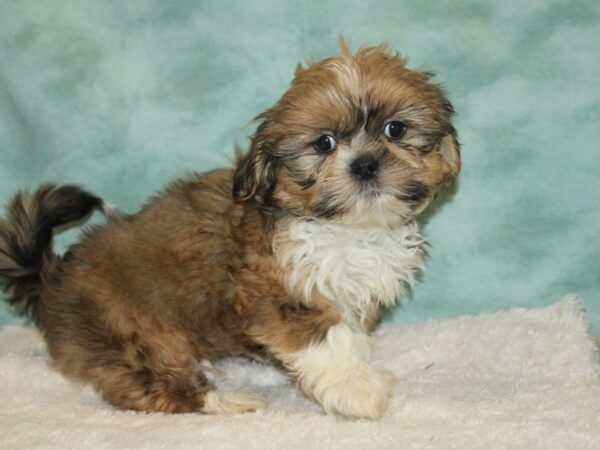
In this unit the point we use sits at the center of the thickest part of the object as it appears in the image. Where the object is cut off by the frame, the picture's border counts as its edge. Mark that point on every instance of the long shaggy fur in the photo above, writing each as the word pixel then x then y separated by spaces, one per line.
pixel 287 258
pixel 26 238
pixel 360 271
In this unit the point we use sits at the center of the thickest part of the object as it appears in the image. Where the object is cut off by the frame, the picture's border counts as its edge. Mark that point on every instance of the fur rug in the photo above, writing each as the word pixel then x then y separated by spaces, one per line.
pixel 513 379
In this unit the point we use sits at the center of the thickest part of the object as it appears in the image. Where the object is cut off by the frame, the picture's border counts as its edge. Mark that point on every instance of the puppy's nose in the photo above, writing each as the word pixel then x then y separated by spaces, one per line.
pixel 364 167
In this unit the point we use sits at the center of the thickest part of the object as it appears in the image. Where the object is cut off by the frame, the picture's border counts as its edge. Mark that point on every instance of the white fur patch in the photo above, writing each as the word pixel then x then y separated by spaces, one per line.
pixel 356 268
pixel 336 373
pixel 231 402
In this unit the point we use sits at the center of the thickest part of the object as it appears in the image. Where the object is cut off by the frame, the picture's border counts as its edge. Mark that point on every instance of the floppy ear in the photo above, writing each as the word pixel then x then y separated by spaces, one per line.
pixel 255 171
pixel 450 151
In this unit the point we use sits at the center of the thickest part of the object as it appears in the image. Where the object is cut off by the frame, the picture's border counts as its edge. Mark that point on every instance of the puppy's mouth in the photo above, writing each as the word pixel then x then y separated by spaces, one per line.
pixel 413 193
pixel 373 203
pixel 371 190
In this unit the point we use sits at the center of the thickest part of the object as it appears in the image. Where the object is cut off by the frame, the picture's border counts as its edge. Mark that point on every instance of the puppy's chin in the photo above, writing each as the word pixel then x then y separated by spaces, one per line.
pixel 377 210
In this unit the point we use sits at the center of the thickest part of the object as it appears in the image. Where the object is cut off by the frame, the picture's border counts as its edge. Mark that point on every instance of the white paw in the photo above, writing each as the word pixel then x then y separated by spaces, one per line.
pixel 231 402
pixel 361 392
pixel 335 372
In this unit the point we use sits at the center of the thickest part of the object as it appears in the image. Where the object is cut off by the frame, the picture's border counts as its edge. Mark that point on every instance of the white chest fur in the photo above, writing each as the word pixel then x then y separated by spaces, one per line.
pixel 356 268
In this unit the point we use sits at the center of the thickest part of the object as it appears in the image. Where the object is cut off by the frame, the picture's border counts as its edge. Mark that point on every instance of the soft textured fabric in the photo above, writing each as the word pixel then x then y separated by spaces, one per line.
pixel 517 379
pixel 122 96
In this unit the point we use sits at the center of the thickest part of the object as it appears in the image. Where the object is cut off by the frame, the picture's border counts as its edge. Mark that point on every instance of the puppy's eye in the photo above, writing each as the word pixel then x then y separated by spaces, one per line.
pixel 394 130
pixel 326 144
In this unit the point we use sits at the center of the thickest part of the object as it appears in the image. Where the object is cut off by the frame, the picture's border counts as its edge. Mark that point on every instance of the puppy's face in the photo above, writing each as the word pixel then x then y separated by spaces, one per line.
pixel 360 140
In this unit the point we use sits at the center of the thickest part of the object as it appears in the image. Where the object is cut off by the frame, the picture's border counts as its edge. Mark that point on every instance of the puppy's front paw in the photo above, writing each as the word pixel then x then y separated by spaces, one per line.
pixel 335 372
pixel 361 392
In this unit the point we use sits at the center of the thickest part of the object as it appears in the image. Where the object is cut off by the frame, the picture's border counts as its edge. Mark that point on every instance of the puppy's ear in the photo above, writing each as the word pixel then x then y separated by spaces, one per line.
pixel 450 151
pixel 255 173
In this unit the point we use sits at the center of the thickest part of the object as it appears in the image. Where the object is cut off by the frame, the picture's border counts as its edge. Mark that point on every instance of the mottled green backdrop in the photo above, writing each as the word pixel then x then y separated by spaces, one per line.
pixel 122 96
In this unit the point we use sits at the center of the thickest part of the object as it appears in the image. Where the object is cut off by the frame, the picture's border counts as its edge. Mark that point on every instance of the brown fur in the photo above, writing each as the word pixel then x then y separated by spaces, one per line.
pixel 133 305
pixel 352 97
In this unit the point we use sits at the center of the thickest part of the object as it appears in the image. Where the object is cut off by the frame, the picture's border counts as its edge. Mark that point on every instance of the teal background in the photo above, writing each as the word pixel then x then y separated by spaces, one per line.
pixel 122 96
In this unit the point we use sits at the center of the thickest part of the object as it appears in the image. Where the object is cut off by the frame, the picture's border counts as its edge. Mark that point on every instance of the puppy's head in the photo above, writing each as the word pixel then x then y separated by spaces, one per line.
pixel 361 140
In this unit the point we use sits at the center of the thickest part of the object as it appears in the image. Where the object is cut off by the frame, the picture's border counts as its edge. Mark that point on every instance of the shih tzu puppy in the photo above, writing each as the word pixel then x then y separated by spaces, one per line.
pixel 288 258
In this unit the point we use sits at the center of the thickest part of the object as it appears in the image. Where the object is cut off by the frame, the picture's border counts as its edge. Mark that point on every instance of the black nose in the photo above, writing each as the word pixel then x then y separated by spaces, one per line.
pixel 364 167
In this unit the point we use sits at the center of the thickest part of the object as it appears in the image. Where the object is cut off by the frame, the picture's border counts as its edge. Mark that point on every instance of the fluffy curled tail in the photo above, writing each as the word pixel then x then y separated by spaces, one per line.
pixel 26 238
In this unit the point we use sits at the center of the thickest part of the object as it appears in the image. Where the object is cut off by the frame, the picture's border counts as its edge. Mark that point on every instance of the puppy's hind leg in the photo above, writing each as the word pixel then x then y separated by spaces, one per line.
pixel 143 371
pixel 217 401
pixel 169 390
pixel 226 401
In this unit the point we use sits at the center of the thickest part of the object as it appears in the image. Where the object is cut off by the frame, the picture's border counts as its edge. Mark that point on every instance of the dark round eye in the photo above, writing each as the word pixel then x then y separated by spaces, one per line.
pixel 394 130
pixel 325 144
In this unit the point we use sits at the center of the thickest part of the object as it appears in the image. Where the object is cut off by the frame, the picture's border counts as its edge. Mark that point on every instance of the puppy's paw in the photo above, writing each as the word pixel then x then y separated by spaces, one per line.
pixel 361 392
pixel 335 372
pixel 231 402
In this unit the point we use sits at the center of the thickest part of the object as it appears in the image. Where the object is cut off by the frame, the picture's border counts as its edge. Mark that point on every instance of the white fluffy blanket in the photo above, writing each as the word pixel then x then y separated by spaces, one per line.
pixel 518 379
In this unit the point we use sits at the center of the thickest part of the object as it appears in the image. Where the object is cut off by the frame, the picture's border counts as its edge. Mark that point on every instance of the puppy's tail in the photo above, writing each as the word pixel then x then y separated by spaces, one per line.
pixel 26 239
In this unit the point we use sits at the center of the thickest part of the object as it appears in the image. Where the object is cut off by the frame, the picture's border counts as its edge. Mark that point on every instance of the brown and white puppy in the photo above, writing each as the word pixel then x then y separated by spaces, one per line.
pixel 288 258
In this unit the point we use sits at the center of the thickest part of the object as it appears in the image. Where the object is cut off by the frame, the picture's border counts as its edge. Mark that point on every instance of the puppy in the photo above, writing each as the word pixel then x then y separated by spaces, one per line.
pixel 288 258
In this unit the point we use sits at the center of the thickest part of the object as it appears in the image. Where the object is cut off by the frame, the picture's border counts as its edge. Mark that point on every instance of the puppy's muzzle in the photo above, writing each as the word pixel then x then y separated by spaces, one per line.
pixel 364 167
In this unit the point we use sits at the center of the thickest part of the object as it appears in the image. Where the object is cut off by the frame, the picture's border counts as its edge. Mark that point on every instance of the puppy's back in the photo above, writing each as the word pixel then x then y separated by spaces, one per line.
pixel 175 249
